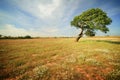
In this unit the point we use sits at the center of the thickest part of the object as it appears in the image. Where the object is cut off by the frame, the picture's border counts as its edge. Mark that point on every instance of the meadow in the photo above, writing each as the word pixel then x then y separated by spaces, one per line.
pixel 60 59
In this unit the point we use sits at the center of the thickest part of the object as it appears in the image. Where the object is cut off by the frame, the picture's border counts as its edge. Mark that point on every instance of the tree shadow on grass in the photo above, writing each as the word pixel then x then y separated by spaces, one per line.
pixel 112 42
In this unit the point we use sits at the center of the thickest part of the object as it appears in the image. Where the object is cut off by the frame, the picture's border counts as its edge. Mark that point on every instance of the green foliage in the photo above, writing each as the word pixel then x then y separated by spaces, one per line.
pixel 0 36
pixel 27 36
pixel 92 19
pixel 90 32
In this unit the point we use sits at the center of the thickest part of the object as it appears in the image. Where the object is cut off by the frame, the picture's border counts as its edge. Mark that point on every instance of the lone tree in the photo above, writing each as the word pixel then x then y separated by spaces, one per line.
pixel 90 21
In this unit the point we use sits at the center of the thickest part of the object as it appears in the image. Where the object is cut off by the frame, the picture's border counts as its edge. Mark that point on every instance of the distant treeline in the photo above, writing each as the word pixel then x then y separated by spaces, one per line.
pixel 19 37
pixel 28 37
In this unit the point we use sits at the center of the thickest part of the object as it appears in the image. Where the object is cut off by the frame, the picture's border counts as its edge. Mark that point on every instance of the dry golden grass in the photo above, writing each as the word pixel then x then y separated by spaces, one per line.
pixel 94 58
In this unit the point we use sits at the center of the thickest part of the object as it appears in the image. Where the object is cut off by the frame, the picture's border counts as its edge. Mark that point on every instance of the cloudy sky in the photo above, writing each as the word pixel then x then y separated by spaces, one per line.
pixel 51 17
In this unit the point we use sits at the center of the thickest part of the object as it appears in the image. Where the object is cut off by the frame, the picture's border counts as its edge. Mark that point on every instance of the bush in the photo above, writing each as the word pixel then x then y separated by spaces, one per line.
pixel 40 73
pixel 27 37
pixel 114 75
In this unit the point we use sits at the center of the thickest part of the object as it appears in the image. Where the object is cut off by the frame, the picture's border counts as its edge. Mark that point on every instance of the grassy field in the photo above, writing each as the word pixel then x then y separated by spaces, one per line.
pixel 60 59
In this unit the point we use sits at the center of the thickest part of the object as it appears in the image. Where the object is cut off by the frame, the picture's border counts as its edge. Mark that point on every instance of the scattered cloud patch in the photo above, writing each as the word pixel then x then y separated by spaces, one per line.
pixel 47 10
pixel 11 30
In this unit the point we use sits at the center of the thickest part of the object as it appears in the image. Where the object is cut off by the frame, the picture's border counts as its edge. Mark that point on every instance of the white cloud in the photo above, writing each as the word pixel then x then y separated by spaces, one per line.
pixel 113 11
pixel 38 8
pixel 11 30
pixel 47 10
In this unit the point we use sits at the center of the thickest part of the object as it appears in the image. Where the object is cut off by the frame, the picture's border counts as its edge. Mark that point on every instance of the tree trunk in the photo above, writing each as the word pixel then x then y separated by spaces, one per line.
pixel 80 35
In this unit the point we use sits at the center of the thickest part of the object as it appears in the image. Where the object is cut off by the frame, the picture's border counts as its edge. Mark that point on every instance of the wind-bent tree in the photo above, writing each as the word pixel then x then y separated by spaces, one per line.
pixel 90 21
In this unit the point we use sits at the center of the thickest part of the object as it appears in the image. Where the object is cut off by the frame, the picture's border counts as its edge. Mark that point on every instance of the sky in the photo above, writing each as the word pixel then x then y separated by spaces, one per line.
pixel 51 18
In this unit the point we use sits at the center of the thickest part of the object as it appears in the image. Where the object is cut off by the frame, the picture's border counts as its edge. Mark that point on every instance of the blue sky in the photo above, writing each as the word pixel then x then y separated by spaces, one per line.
pixel 51 17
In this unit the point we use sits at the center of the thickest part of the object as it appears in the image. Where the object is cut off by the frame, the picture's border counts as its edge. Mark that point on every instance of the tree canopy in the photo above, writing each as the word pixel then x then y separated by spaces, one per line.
pixel 91 20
